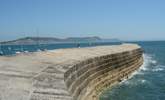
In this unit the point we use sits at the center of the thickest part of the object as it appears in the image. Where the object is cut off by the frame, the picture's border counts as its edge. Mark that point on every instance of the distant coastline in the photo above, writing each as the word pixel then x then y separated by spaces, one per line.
pixel 53 40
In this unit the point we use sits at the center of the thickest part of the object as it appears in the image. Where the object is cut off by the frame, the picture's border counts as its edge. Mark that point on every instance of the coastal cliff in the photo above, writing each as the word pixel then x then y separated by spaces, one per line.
pixel 67 74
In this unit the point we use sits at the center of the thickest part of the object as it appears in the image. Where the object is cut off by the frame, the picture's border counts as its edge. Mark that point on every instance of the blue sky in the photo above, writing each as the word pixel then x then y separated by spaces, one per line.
pixel 123 19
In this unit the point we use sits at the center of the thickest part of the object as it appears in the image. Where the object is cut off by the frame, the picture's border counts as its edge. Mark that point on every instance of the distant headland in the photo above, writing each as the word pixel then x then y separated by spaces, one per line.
pixel 53 40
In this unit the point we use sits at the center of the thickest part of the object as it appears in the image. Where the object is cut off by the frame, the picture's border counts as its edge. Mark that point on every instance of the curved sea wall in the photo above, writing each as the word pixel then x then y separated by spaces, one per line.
pixel 67 74
pixel 87 79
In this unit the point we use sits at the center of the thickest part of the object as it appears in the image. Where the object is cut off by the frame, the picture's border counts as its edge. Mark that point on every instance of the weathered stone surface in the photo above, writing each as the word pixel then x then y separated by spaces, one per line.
pixel 67 74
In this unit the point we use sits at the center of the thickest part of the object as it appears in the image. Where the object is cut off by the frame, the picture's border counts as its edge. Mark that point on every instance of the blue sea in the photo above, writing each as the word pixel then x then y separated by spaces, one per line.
pixel 147 83
pixel 9 50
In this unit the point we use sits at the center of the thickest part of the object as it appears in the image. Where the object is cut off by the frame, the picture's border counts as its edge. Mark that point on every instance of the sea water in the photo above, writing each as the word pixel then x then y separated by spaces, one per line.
pixel 147 83
pixel 13 49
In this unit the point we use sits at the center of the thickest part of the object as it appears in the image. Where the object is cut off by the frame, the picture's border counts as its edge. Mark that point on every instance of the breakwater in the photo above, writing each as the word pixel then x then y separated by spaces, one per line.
pixel 67 74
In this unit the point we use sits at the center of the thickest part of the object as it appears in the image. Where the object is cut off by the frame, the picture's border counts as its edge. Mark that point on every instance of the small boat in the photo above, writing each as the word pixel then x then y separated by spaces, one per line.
pixel 26 51
pixel 39 50
pixel 45 50
pixel 20 50
pixel 17 52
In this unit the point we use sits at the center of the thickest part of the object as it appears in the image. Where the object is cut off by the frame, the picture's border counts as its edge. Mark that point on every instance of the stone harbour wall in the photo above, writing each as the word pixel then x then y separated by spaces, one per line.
pixel 67 74
pixel 86 80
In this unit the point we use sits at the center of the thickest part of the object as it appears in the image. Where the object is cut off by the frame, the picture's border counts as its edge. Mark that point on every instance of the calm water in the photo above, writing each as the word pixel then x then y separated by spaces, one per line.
pixel 12 49
pixel 148 83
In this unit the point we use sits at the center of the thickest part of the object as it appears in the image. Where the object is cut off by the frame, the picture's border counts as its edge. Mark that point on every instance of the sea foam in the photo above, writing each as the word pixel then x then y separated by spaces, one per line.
pixel 148 59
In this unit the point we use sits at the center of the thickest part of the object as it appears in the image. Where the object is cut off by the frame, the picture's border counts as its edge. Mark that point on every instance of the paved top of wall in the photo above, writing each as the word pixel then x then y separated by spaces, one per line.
pixel 25 74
